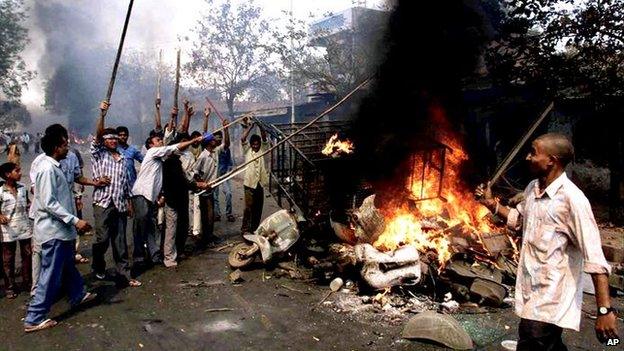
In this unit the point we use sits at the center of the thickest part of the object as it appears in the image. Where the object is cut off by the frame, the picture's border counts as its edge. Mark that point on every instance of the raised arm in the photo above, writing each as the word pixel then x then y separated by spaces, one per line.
pixel 262 133
pixel 246 133
pixel 185 144
pixel 189 111
pixel 157 119
pixel 207 112
pixel 172 120
pixel 99 127
pixel 226 134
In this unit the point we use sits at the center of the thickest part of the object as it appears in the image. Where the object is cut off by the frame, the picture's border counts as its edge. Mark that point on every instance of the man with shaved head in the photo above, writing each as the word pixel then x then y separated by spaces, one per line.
pixel 560 241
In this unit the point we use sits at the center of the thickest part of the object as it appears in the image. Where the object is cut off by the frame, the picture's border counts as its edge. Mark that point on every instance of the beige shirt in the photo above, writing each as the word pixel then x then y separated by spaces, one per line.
pixel 256 172
pixel 207 165
pixel 560 241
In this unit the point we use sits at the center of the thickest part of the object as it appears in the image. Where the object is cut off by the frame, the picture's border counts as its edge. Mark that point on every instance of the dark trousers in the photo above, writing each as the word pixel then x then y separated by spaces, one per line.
pixel 206 208
pixel 146 231
pixel 8 264
pixel 534 335
pixel 254 201
pixel 110 228
pixel 58 273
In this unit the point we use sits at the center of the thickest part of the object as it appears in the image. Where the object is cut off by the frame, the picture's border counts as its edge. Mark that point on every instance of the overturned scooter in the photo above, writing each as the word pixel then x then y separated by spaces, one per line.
pixel 276 234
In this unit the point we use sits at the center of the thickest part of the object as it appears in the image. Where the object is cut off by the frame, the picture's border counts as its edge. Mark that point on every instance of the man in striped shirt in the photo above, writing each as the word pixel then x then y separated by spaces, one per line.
pixel 111 204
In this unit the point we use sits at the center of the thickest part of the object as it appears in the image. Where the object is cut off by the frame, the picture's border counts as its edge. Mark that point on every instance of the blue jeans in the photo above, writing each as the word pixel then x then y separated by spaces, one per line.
pixel 58 273
pixel 226 187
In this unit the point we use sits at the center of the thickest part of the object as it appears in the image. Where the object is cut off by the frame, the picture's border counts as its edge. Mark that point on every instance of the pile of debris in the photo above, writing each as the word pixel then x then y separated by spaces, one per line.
pixel 480 273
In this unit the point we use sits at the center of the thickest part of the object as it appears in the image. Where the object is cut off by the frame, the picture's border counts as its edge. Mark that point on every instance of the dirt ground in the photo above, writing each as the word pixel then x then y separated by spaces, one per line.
pixel 195 307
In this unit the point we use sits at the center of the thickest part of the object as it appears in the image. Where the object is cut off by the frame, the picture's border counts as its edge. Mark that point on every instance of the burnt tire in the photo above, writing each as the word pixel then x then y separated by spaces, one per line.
pixel 236 260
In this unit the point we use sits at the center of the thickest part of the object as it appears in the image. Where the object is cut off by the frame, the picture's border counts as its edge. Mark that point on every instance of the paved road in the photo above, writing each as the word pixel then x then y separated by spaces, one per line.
pixel 173 310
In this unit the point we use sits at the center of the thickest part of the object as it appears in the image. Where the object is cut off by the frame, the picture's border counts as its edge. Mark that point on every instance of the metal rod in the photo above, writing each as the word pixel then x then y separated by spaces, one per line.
pixel 111 83
pixel 325 113
pixel 512 154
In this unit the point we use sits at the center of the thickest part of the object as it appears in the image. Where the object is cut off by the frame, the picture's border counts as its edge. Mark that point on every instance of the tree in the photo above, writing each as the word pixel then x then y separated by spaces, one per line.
pixel 13 39
pixel 228 53
pixel 14 115
pixel 562 47
pixel 569 49
pixel 333 62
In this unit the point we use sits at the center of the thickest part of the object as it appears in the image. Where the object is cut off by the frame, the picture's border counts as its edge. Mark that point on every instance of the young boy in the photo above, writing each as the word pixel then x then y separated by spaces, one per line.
pixel 16 227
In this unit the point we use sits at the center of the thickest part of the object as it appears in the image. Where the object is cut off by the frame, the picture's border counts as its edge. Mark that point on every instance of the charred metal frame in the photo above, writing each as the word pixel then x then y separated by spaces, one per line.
pixel 295 175
pixel 432 156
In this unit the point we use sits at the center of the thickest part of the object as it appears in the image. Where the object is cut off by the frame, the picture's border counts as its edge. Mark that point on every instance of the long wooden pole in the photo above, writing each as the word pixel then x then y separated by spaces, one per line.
pixel 239 169
pixel 214 108
pixel 512 154
pixel 111 83
pixel 177 81
pixel 158 82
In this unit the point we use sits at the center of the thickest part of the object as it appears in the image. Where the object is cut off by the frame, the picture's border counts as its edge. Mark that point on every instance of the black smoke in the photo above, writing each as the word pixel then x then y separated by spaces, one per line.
pixel 432 48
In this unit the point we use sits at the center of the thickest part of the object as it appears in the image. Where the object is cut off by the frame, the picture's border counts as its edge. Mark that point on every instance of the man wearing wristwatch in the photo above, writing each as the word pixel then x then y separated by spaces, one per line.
pixel 560 241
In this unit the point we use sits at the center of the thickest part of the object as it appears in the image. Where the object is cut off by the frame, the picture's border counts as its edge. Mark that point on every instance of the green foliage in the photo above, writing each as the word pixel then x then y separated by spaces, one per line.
pixel 13 115
pixel 565 47
pixel 229 54
pixel 13 39
pixel 333 63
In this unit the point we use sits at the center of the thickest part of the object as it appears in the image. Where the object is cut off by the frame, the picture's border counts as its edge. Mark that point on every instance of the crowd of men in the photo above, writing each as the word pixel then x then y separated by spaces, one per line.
pixel 174 194
pixel 170 196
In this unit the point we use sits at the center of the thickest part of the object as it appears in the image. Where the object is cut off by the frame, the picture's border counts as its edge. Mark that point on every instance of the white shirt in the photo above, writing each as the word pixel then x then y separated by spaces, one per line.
pixel 149 179
pixel 15 208
pixel 560 241
pixel 207 164
pixel 255 173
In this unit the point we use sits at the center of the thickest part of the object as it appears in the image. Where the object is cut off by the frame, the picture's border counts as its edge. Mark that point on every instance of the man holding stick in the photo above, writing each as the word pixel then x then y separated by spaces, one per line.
pixel 225 165
pixel 111 203
pixel 256 178
pixel 147 199
pixel 560 241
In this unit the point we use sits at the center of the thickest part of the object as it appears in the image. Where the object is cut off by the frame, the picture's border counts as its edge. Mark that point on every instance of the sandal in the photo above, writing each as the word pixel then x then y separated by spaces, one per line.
pixel 80 259
pixel 134 283
pixel 48 323
pixel 87 298
pixel 11 295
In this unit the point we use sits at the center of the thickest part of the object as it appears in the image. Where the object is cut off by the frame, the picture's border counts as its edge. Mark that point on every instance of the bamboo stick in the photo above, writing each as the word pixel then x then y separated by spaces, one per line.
pixel 512 154
pixel 239 169
pixel 111 83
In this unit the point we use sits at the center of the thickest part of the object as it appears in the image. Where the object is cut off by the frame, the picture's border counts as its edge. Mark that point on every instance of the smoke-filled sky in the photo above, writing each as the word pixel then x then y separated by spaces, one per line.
pixel 155 24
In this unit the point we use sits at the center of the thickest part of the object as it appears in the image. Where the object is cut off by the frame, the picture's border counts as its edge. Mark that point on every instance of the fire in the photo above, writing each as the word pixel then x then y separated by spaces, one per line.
pixel 336 146
pixel 455 208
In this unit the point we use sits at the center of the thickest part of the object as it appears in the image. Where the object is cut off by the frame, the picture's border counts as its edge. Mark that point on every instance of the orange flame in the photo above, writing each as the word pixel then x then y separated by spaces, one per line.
pixel 336 146
pixel 457 207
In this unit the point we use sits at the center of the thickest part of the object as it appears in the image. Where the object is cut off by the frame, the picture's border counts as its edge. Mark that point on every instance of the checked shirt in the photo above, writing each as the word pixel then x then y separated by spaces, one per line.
pixel 103 164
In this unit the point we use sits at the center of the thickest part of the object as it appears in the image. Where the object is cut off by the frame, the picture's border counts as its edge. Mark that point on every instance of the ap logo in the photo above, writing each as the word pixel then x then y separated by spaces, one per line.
pixel 613 342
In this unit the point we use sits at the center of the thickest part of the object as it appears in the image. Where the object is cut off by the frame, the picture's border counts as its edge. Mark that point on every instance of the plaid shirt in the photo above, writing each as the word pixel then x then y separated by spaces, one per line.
pixel 104 164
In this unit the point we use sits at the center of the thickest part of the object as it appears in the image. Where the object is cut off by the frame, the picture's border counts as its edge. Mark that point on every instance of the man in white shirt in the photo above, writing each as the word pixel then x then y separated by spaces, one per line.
pixel 256 178
pixel 560 241
pixel 146 191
